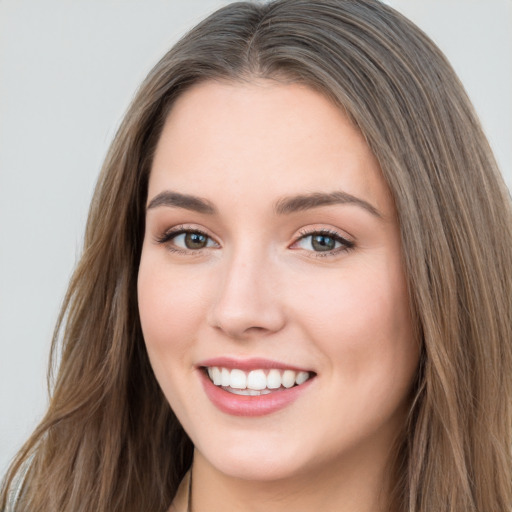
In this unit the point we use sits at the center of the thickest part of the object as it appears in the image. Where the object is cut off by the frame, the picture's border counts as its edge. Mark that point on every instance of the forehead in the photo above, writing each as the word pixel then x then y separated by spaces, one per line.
pixel 263 138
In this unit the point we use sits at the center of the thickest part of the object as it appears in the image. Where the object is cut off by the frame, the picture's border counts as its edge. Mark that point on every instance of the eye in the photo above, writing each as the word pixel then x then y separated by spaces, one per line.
pixel 192 240
pixel 323 242
pixel 182 239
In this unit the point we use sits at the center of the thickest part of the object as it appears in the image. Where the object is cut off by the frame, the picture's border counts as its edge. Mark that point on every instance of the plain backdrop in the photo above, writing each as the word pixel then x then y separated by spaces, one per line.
pixel 67 73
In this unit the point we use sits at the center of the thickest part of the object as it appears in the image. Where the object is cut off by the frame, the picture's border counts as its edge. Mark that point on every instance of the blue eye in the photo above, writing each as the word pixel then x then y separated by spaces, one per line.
pixel 323 242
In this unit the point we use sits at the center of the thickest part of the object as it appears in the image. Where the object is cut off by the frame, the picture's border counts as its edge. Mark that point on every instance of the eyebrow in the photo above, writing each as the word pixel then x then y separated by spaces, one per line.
pixel 303 202
pixel 283 206
pixel 186 201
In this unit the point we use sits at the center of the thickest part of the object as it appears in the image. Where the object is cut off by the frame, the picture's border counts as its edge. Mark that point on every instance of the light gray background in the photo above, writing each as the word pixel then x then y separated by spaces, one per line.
pixel 67 73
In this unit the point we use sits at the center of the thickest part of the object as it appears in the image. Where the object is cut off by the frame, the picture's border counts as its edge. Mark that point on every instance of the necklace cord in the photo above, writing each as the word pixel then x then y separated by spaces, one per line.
pixel 189 497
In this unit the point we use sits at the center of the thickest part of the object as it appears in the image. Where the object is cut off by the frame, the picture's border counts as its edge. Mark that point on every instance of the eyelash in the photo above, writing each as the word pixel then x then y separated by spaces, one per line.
pixel 346 245
pixel 169 235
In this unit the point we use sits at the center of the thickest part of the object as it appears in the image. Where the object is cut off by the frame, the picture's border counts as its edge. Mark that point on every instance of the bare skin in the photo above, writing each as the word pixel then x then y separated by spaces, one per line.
pixel 243 272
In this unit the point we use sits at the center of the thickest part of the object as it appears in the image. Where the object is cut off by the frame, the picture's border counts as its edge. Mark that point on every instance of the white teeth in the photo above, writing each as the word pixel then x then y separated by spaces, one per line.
pixel 216 377
pixel 249 392
pixel 301 378
pixel 288 379
pixel 274 379
pixel 238 379
pixel 225 377
pixel 255 382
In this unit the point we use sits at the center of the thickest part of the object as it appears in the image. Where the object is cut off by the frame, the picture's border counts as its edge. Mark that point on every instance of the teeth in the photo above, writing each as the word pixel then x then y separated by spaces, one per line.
pixel 238 379
pixel 301 378
pixel 255 382
pixel 225 377
pixel 274 379
pixel 288 379
pixel 249 392
pixel 215 376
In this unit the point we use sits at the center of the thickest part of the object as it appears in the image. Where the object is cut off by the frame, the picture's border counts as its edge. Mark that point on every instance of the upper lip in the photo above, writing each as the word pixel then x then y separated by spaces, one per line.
pixel 253 363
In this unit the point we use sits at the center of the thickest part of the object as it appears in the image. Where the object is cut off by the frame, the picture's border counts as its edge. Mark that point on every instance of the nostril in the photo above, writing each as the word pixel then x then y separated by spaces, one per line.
pixel 245 305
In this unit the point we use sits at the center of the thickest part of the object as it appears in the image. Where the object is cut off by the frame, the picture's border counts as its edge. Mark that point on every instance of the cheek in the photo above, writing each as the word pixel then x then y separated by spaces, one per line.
pixel 363 328
pixel 170 309
pixel 169 304
pixel 360 319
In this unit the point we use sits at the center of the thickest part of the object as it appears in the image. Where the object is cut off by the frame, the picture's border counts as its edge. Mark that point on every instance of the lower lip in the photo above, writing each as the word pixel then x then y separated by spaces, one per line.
pixel 242 405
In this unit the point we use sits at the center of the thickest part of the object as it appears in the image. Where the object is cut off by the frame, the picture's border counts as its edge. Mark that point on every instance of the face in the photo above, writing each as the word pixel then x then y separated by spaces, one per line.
pixel 271 288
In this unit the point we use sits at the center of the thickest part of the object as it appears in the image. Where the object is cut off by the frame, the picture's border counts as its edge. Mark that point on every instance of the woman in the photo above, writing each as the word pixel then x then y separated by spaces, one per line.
pixel 294 290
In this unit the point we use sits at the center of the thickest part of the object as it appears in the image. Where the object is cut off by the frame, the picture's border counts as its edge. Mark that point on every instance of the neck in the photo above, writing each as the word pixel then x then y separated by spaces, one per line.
pixel 356 485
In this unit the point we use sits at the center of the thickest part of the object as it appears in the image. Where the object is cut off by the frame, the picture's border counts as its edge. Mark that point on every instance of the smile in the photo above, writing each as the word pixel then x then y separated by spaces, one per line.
pixel 255 382
pixel 253 387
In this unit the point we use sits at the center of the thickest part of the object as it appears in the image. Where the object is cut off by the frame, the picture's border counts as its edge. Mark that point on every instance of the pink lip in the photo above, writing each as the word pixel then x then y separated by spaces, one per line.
pixel 241 405
pixel 254 363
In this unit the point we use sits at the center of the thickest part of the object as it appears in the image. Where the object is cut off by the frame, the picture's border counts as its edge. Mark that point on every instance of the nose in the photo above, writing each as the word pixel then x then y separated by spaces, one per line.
pixel 248 300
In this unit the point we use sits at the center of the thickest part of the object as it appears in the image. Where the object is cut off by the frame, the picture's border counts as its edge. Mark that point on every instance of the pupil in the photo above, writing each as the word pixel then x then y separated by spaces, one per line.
pixel 323 243
pixel 195 240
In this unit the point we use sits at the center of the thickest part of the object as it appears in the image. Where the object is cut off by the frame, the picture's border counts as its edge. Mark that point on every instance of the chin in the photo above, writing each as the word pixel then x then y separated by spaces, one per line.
pixel 262 470
pixel 257 461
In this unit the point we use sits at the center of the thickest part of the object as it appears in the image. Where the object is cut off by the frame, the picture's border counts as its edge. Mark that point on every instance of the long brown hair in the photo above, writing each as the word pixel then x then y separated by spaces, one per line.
pixel 110 441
